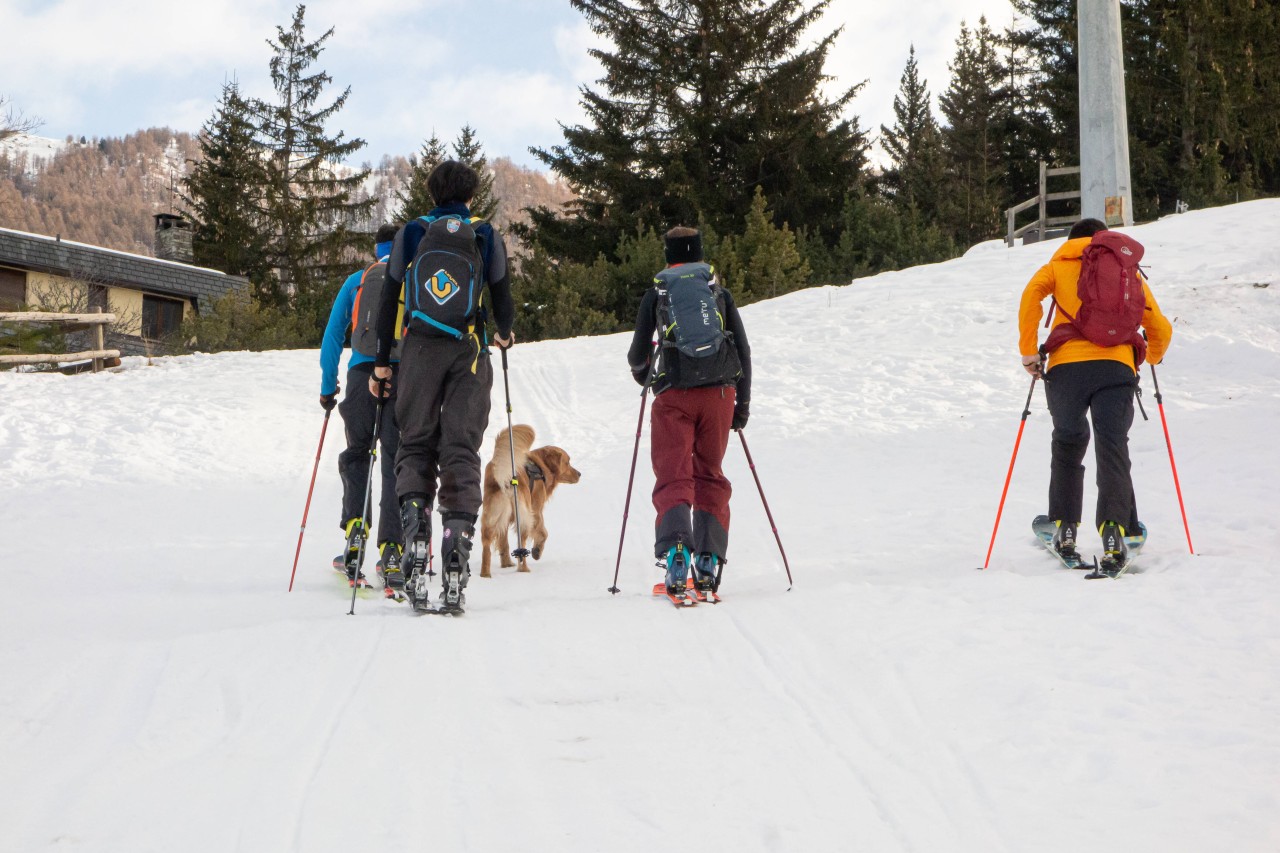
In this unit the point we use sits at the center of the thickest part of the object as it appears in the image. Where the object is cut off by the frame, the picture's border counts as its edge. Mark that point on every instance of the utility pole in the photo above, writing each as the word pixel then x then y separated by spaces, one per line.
pixel 1106 191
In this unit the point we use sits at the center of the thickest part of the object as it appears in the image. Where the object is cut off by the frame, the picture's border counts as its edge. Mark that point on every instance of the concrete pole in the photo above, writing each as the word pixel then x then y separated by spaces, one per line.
pixel 1106 191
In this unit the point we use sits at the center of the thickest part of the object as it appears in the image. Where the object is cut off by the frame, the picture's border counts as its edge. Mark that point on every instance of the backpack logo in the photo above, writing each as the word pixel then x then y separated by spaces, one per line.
pixel 453 225
pixel 442 286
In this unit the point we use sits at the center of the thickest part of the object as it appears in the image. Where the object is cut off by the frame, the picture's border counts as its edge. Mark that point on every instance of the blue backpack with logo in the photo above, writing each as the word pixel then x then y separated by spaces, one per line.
pixel 445 281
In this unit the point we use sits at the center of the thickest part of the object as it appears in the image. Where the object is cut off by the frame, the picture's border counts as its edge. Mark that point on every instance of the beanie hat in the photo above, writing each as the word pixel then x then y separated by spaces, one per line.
pixel 683 250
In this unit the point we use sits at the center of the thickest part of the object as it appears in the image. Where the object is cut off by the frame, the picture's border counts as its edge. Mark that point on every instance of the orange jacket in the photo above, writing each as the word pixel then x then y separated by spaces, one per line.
pixel 1058 279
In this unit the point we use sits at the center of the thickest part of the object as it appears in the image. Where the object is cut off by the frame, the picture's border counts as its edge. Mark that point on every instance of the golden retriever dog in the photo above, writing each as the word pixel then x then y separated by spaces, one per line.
pixel 539 472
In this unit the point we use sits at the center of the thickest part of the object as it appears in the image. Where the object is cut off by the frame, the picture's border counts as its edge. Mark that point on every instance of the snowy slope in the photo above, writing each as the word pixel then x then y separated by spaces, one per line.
pixel 162 691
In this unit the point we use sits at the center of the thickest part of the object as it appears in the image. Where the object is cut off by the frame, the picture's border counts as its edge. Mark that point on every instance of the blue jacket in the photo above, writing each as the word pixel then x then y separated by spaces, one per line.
pixel 335 331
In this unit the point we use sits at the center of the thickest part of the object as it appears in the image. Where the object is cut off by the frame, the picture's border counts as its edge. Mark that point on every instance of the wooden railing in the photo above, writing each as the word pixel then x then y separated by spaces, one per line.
pixel 67 323
pixel 1042 223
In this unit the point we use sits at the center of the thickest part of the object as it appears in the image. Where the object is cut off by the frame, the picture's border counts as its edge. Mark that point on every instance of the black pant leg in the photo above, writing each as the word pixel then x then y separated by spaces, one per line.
pixel 1068 393
pixel 464 417
pixel 421 390
pixel 1112 411
pixel 357 411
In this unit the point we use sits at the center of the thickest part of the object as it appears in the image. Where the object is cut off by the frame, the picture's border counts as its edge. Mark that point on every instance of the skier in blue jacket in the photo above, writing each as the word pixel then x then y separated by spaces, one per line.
pixel 354 312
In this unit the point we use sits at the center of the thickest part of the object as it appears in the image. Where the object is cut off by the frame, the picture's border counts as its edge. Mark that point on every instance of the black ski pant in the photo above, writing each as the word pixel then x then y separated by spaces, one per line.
pixel 1103 390
pixel 358 409
pixel 443 411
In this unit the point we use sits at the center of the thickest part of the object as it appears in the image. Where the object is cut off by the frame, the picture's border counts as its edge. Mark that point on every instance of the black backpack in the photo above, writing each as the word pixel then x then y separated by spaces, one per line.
pixel 443 285
pixel 696 348
pixel 364 312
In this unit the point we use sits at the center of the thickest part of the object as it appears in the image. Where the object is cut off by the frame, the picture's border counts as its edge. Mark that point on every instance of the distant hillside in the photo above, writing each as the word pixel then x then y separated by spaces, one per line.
pixel 99 191
pixel 105 191
pixel 515 186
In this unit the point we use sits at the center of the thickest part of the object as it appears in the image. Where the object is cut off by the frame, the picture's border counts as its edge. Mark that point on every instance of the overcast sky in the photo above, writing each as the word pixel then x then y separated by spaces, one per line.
pixel 509 68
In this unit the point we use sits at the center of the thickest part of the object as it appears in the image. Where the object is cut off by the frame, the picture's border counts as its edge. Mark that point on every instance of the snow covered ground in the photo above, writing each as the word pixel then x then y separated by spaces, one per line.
pixel 161 691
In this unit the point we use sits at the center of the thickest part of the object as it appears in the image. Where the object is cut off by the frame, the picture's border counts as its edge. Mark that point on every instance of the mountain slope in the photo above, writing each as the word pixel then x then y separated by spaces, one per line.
pixel 166 692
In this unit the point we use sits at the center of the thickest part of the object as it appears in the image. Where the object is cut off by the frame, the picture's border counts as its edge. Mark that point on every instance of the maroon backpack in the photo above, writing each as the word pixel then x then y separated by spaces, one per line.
pixel 1111 297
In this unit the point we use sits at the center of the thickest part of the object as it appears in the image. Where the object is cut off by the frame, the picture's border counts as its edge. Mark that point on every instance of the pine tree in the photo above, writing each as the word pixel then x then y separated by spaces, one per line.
pixel 223 189
pixel 1040 100
pixel 972 109
pixel 701 100
pixel 310 209
pixel 468 150
pixel 914 145
pixel 765 261
pixel 415 200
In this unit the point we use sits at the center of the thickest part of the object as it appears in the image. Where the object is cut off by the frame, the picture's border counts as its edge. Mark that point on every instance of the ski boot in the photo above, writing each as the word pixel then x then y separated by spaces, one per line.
pixel 1064 541
pixel 455 552
pixel 389 569
pixel 705 573
pixel 1115 551
pixel 415 520
pixel 354 553
pixel 677 569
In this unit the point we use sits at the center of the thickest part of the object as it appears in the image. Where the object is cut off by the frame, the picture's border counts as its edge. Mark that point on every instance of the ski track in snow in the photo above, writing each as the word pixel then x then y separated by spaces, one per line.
pixel 164 692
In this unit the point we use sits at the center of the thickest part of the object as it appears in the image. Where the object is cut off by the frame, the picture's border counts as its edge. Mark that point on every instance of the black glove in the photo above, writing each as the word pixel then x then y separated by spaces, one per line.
pixel 640 375
pixel 328 401
pixel 741 412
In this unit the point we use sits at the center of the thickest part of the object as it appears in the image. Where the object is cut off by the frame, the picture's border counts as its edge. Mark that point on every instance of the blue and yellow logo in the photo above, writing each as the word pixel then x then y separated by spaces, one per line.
pixel 442 287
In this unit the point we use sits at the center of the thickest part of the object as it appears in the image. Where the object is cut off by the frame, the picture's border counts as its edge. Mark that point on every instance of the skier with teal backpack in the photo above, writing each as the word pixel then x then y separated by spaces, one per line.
pixel 353 314
pixel 701 381
pixel 444 263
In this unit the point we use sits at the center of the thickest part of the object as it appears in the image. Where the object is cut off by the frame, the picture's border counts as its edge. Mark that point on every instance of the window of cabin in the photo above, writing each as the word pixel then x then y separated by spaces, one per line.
pixel 13 289
pixel 160 317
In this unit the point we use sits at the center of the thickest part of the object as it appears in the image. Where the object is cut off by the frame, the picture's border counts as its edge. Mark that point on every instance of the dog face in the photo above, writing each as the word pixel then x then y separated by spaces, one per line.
pixel 554 463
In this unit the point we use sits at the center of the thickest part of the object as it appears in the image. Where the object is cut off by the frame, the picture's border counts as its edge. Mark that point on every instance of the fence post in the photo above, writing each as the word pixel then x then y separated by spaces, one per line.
pixel 98 340
pixel 1044 188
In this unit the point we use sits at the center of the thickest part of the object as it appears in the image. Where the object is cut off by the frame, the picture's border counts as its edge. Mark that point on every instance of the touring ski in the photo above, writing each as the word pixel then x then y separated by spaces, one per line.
pixel 685 600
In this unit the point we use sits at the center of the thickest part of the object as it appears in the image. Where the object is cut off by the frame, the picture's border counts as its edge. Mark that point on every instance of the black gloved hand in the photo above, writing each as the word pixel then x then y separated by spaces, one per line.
pixel 640 375
pixel 741 412
pixel 328 401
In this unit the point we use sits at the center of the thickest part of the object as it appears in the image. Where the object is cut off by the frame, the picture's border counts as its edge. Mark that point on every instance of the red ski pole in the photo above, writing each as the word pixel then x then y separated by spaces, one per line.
pixel 1026 412
pixel 751 462
pixel 307 509
pixel 1173 465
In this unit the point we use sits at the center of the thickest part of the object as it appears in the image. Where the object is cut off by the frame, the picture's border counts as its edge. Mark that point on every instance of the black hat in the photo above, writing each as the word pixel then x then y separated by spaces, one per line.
pixel 684 248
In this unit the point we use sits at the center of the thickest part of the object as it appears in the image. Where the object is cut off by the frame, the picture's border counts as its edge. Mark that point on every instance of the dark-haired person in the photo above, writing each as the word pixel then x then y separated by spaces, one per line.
pixel 697 401
pixel 445 376
pixel 354 311
pixel 1085 381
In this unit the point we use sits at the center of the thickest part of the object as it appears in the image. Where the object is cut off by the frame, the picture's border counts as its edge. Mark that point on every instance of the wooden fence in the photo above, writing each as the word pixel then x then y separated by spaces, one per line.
pixel 67 323
pixel 1042 223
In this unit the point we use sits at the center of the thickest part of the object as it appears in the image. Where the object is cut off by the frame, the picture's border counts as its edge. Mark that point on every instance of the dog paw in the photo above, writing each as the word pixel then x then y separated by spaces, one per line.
pixel 536 553
pixel 485 573
pixel 523 568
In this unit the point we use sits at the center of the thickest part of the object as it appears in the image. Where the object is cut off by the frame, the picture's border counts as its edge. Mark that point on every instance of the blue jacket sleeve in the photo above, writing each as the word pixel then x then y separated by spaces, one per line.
pixel 335 332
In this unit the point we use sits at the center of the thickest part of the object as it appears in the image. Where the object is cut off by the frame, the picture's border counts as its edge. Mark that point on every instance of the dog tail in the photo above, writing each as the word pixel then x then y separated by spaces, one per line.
pixel 502 453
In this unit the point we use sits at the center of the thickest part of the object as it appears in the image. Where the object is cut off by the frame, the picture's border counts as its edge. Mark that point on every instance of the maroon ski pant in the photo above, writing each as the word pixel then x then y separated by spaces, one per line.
pixel 690 432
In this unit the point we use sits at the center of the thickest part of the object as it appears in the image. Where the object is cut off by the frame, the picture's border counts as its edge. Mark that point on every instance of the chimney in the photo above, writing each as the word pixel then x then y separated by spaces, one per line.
pixel 173 238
